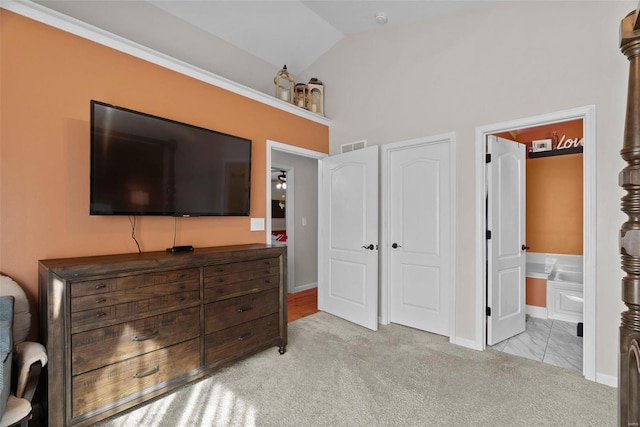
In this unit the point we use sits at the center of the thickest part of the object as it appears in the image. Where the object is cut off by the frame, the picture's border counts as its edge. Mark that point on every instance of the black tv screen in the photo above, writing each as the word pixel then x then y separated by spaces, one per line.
pixel 147 165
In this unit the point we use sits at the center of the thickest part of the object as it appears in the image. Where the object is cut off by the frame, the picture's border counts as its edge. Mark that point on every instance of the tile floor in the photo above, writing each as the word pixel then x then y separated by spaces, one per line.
pixel 550 341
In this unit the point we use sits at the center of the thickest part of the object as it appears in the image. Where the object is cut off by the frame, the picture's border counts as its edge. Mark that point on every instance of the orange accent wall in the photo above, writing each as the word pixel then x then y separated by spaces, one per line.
pixel 554 194
pixel 48 78
pixel 536 292
pixel 554 205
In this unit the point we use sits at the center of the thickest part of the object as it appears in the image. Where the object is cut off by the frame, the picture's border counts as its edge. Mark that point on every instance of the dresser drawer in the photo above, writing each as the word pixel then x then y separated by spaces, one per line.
pixel 233 311
pixel 154 279
pixel 230 290
pixel 107 385
pixel 87 319
pixel 233 341
pixel 99 347
pixel 130 295
pixel 92 287
pixel 234 267
pixel 240 276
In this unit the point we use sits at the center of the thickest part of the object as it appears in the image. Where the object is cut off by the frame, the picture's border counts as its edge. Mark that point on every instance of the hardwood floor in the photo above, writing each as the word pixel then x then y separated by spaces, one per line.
pixel 301 304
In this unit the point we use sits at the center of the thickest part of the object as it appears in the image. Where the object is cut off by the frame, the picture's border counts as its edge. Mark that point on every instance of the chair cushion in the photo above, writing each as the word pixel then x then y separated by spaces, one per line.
pixel 21 313
pixel 26 354
pixel 6 347
pixel 17 410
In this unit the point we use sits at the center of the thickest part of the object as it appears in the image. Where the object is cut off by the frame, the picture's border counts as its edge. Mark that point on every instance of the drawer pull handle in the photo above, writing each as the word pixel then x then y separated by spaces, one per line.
pixel 146 373
pixel 101 314
pixel 221 291
pixel 99 300
pixel 101 285
pixel 244 337
pixel 267 281
pixel 145 337
pixel 181 299
pixel 242 310
pixel 220 280
pixel 182 286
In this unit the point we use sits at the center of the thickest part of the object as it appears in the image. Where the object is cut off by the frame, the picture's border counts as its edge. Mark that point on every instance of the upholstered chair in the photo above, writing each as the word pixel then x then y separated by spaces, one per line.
pixel 27 358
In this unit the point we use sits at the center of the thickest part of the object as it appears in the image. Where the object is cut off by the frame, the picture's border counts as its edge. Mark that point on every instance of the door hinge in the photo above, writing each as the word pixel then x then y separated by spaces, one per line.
pixel 488 234
pixel 488 311
pixel 488 158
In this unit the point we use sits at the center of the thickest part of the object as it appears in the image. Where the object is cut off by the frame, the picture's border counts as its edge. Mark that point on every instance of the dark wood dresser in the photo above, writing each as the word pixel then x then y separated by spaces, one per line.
pixel 121 329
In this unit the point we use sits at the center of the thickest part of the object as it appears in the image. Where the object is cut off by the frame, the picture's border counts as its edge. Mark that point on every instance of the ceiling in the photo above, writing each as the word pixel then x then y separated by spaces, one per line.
pixel 291 32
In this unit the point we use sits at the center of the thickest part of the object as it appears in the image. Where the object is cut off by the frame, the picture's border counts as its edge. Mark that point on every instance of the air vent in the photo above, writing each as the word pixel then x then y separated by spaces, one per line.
pixel 353 146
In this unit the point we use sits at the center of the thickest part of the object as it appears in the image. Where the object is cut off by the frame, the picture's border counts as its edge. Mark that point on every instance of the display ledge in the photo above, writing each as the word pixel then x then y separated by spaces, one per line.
pixel 79 28
pixel 560 152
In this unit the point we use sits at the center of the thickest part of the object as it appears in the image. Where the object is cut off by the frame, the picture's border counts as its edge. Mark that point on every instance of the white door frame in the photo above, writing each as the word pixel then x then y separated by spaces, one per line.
pixel 385 218
pixel 298 151
pixel 588 116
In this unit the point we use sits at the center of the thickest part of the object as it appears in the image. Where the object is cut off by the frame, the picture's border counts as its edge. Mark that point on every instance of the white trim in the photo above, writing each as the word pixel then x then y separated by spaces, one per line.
pixel 292 149
pixel 447 138
pixel 587 115
pixel 472 344
pixel 305 287
pixel 76 27
pixel 538 312
pixel 609 380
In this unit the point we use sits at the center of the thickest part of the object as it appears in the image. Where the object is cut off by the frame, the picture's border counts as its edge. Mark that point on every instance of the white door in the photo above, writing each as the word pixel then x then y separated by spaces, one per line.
pixel 348 237
pixel 506 260
pixel 420 236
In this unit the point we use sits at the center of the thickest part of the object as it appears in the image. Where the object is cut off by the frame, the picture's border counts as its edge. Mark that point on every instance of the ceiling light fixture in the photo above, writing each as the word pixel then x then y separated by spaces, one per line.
pixel 282 178
pixel 381 18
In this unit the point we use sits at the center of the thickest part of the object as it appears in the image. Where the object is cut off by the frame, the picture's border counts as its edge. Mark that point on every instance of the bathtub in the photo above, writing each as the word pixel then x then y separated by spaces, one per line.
pixel 565 295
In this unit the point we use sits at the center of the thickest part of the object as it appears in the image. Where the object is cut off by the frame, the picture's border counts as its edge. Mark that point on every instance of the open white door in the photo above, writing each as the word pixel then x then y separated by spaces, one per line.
pixel 348 237
pixel 506 259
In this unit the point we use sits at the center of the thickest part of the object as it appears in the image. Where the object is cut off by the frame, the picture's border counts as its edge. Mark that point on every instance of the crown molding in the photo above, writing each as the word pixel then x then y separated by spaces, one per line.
pixel 74 26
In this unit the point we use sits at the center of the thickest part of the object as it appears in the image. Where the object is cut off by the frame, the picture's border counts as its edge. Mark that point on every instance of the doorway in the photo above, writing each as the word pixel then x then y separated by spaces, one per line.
pixel 587 117
pixel 300 167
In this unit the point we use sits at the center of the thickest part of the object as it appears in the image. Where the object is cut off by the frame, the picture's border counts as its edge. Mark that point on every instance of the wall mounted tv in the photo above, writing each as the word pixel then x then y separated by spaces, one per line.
pixel 147 165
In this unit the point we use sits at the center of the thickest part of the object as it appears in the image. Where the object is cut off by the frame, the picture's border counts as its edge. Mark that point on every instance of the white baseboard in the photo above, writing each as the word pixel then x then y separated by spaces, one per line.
pixel 300 288
pixel 535 311
pixel 464 342
pixel 609 380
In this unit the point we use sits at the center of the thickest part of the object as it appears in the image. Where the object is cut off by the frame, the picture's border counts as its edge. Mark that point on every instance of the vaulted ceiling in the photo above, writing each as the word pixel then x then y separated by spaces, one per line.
pixel 290 32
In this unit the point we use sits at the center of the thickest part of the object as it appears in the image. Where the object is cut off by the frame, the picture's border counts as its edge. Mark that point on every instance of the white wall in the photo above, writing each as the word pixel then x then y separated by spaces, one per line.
pixel 506 62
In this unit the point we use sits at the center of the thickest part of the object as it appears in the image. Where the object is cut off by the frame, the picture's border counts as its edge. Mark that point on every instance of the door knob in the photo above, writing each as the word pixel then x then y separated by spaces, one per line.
pixel 370 247
pixel 396 246
pixel 525 248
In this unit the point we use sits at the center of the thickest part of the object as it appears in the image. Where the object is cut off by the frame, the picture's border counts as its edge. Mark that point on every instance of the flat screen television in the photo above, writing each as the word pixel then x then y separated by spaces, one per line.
pixel 147 165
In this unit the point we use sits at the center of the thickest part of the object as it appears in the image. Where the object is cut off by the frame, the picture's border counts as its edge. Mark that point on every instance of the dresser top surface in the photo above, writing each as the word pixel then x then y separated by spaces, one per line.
pixel 95 265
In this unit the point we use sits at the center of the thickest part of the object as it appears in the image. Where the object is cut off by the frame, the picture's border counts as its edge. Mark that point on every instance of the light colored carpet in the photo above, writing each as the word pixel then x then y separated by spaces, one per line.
pixel 335 373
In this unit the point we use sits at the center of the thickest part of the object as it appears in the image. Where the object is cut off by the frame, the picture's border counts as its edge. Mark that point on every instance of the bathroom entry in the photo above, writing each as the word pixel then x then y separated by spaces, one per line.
pixel 554 233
